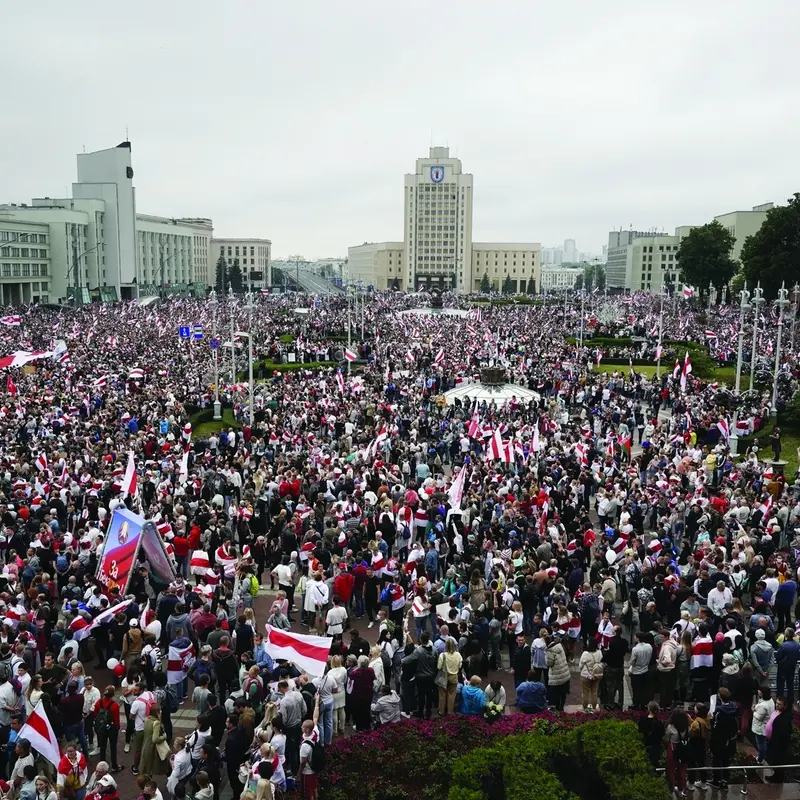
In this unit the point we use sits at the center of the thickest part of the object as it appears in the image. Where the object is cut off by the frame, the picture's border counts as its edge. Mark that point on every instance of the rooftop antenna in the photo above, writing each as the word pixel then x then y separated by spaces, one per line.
pixel 127 138
pixel 84 148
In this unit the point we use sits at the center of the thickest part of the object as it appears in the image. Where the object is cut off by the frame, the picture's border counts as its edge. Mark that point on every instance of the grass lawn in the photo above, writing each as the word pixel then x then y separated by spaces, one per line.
pixel 205 429
pixel 723 375
pixel 790 441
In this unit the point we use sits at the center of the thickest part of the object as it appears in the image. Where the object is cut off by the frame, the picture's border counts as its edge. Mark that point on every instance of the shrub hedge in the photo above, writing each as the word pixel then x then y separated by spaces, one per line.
pixel 598 760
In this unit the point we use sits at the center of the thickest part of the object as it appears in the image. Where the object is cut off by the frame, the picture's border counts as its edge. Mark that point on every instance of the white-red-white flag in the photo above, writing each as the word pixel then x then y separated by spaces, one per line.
pixel 129 480
pixel 39 732
pixel 349 354
pixel 310 653
pixel 179 662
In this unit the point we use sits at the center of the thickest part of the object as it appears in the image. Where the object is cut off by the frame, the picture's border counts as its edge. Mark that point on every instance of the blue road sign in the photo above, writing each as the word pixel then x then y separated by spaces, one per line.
pixel 214 343
pixel 184 332
pixel 198 331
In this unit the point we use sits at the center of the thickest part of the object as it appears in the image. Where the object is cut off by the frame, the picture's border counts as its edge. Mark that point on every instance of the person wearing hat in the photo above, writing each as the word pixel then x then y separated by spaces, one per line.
pixel 104 789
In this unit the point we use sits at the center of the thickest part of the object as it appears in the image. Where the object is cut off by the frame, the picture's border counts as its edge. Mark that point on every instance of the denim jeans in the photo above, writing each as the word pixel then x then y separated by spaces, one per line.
pixel 327 721
pixel 76 733
pixel 761 745
pixel 359 598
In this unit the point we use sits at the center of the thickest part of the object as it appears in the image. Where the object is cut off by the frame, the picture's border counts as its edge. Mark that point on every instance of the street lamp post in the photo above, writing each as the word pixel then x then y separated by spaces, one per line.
pixel 744 307
pixel 233 335
pixel 349 336
pixel 781 303
pixel 660 334
pixel 795 298
pixel 583 301
pixel 250 353
pixel 757 300
pixel 212 297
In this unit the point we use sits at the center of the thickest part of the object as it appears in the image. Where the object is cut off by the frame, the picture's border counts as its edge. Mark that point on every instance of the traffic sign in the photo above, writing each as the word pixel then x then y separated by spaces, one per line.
pixel 198 331
pixel 184 332
pixel 214 343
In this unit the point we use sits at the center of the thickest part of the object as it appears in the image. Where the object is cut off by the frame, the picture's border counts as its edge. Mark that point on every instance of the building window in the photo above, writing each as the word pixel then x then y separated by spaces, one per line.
pixel 6 270
pixel 16 270
pixel 43 268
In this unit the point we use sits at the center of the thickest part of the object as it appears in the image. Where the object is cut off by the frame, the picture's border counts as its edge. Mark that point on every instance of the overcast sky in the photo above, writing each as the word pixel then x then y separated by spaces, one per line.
pixel 296 121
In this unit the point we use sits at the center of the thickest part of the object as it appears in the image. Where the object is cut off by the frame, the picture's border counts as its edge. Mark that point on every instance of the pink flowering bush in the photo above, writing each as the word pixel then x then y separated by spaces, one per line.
pixel 415 758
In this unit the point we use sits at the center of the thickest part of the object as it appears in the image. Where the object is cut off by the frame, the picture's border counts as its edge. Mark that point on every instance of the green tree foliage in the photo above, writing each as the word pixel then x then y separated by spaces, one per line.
pixel 235 276
pixel 531 286
pixel 486 287
pixel 222 274
pixel 771 255
pixel 704 257
pixel 507 287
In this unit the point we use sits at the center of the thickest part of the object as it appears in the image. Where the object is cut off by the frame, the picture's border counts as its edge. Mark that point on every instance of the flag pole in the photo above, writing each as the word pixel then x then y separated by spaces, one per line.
pixel 757 301
pixel 744 307
pixel 660 333
pixel 217 404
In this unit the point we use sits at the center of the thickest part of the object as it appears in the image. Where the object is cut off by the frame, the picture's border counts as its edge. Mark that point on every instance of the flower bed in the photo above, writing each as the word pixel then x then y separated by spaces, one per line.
pixel 415 759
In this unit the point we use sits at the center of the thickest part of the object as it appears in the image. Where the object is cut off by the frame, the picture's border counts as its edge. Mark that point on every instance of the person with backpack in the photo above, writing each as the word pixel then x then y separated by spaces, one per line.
pixel 312 756
pixel 724 731
pixel 678 751
pixel 107 726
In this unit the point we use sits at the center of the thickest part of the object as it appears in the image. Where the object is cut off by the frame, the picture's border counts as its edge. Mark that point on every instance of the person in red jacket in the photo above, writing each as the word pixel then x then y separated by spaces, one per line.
pixel 194 538
pixel 108 730
pixel 181 547
pixel 343 587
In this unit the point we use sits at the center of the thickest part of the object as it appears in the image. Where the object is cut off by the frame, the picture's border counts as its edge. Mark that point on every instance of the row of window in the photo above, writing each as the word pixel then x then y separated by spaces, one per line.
pixel 262 251
pixel 23 270
pixel 22 252
pixel 23 238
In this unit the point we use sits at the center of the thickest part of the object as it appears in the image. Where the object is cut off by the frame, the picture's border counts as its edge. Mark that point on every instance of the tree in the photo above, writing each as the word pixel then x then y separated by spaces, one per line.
pixel 235 276
pixel 507 287
pixel 578 282
pixel 222 274
pixel 486 287
pixel 704 257
pixel 531 286
pixel 771 254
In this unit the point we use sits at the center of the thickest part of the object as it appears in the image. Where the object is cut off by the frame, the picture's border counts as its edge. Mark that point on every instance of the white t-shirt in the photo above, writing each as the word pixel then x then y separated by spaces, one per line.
pixel 336 618
pixel 284 573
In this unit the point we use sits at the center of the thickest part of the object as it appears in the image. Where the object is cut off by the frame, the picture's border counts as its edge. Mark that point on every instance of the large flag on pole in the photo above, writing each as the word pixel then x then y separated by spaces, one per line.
pixel 310 653
pixel 39 732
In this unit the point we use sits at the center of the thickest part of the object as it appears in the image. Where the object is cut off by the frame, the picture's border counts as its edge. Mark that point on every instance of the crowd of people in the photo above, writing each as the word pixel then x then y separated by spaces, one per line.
pixel 480 558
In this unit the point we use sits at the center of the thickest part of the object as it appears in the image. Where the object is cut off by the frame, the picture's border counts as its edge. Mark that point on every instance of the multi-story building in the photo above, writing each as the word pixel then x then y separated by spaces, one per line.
pixel 617 256
pixel 201 248
pixel 743 224
pixel 438 223
pixel 98 247
pixel 254 257
pixel 108 175
pixel 646 263
pixel 76 254
pixel 437 250
pixel 377 264
pixel 25 267
pixel 173 255
pixel 570 251
pixel 520 263
pixel 559 278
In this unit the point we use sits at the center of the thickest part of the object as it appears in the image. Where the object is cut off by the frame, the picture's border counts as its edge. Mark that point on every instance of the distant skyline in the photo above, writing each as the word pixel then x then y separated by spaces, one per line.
pixel 297 122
